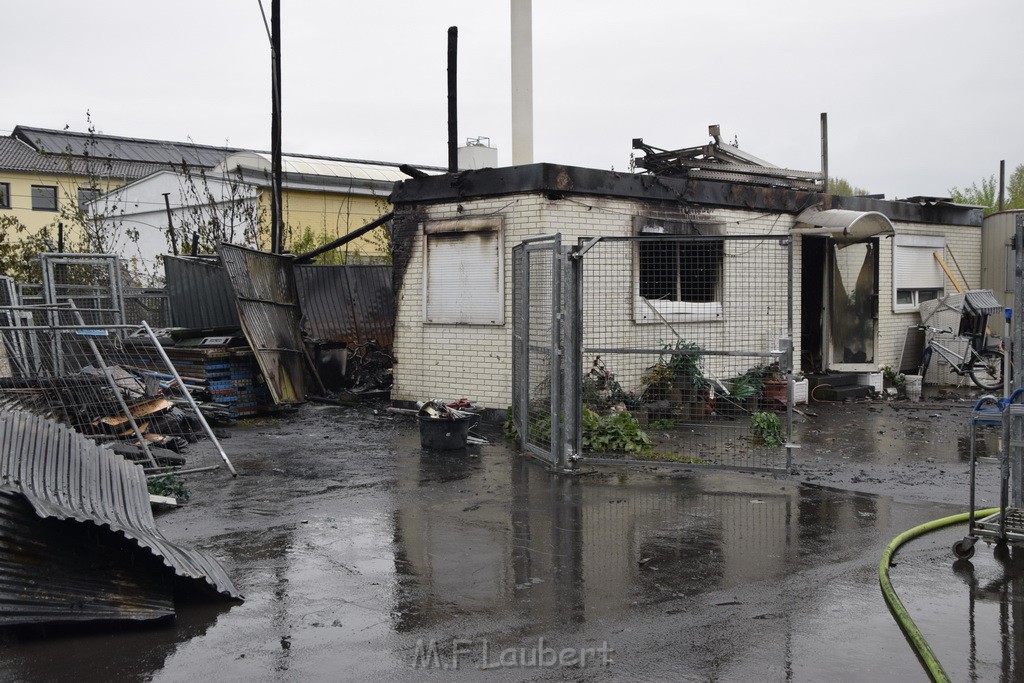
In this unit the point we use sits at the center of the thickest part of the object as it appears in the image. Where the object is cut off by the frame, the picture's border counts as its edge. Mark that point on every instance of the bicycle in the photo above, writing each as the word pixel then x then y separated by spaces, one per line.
pixel 985 367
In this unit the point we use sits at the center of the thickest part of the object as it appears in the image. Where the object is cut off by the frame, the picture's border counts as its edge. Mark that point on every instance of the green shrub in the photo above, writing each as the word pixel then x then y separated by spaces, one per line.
pixel 766 429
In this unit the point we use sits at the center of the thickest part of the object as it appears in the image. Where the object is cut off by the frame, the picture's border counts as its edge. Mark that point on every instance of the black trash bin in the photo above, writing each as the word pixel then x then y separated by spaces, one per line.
pixel 444 433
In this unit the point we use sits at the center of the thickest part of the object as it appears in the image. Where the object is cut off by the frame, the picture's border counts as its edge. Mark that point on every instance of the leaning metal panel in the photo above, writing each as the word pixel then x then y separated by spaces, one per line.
pixel 685 350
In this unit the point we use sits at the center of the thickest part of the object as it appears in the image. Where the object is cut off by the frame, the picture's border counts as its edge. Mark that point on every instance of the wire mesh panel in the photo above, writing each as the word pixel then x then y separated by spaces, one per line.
pixel 686 349
pixel 149 304
pixel 537 346
pixel 112 386
pixel 91 281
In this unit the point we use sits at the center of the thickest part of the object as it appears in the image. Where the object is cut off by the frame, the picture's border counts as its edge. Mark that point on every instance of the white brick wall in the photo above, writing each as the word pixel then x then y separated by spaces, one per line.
pixel 474 361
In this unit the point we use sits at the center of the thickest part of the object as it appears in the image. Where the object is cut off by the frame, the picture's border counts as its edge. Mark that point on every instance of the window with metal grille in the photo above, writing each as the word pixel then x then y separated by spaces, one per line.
pixel 678 274
pixel 463 272
pixel 917 275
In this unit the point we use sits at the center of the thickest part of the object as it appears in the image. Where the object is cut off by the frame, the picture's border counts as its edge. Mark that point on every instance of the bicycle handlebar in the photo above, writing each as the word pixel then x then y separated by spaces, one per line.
pixel 929 328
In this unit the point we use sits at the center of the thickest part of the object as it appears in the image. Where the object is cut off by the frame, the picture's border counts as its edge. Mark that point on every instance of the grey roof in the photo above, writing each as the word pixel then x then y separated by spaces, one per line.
pixel 64 152
pixel 65 476
pixel 16 155
pixel 162 152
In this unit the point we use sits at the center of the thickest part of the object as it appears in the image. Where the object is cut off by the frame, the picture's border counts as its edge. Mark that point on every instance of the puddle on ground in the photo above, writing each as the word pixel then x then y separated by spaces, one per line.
pixel 713 575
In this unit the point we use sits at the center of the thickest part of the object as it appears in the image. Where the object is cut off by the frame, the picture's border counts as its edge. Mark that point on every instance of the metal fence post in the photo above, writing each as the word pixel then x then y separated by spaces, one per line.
pixel 571 360
pixel 188 397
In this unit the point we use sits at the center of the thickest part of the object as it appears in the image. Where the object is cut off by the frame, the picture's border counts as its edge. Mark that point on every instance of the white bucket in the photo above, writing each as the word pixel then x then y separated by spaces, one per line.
pixel 913 387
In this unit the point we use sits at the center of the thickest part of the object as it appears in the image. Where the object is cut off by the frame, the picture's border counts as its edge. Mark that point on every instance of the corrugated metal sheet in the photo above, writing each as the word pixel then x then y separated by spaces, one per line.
pixel 200 293
pixel 51 574
pixel 65 476
pixel 268 306
pixel 347 304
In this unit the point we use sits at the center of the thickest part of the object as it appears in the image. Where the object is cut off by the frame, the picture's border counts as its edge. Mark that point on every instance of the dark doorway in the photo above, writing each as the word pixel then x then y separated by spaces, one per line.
pixel 813 258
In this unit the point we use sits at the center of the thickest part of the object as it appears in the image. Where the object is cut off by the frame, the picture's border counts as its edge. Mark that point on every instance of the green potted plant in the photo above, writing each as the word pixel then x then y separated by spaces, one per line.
pixel 741 398
pixel 677 379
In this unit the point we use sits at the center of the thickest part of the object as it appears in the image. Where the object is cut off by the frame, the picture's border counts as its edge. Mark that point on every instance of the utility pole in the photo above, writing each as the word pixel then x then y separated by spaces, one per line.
pixel 170 224
pixel 453 99
pixel 276 218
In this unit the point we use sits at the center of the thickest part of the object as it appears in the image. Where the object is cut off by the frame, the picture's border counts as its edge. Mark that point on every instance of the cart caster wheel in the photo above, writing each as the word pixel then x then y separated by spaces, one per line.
pixel 1001 552
pixel 964 549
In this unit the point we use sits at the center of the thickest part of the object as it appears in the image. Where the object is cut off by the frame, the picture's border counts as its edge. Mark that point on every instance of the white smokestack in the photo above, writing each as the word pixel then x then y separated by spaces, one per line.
pixel 522 81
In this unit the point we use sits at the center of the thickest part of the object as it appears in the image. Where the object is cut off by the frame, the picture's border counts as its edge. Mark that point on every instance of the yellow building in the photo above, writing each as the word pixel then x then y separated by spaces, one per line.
pixel 220 193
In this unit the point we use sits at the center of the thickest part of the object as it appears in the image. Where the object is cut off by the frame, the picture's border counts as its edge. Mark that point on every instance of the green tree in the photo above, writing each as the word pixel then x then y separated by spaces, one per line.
pixel 842 187
pixel 19 251
pixel 986 193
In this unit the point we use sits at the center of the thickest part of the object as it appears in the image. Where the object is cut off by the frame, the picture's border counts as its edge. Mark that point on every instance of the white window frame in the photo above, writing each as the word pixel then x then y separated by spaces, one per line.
pixel 674 311
pixel 489 304
pixel 929 243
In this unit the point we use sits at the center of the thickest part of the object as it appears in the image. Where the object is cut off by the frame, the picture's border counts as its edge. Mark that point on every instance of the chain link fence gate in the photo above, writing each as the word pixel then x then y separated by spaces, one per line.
pixel 669 350
pixel 545 415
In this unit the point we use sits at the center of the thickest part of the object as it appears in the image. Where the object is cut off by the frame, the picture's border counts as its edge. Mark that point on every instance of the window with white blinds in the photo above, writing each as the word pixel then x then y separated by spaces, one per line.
pixel 917 276
pixel 464 273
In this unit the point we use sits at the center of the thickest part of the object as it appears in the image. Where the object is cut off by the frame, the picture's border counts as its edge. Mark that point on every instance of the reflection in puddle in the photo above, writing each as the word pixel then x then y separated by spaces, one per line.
pixel 513 542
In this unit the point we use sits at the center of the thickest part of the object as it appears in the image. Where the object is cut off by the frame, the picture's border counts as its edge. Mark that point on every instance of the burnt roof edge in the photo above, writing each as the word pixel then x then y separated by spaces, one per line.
pixel 555 181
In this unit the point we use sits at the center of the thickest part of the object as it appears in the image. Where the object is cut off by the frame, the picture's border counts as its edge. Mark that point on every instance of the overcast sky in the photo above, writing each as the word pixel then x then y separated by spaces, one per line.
pixel 921 95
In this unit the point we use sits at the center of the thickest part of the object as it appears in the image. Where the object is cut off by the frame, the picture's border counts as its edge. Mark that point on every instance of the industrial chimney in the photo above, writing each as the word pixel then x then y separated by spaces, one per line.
pixel 522 82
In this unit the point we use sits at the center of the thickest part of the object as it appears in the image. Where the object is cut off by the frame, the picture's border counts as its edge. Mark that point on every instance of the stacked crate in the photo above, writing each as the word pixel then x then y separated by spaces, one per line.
pixel 227 376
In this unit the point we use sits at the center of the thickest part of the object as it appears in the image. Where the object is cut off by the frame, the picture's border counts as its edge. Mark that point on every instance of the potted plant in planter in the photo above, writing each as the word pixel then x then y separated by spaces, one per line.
pixel 774 387
pixel 742 397
pixel 678 379
pixel 766 429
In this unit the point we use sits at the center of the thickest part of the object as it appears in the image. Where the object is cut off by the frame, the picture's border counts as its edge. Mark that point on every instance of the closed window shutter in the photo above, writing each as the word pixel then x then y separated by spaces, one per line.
pixel 464 278
pixel 916 267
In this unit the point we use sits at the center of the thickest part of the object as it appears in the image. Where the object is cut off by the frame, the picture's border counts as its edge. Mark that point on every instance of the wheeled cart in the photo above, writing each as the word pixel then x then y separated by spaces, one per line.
pixel 1006 525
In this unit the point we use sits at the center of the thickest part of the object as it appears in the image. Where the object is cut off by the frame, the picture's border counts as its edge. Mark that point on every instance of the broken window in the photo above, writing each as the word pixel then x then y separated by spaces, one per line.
pixel 678 274
pixel 917 275
pixel 463 272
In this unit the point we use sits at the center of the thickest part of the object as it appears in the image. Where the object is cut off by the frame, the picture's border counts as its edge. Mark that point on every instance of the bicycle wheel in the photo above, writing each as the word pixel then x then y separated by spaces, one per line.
pixel 987 369
pixel 926 358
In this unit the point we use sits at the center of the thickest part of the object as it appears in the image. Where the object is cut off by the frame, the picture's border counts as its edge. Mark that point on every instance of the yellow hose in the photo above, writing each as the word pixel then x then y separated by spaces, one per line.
pixel 899 612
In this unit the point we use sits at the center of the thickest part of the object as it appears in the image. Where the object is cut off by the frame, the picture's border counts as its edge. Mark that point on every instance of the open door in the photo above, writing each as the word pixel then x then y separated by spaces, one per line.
pixel 840 256
pixel 852 308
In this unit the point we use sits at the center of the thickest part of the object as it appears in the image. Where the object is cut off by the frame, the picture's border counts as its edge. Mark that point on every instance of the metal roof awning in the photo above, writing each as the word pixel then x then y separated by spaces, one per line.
pixel 983 301
pixel 843 224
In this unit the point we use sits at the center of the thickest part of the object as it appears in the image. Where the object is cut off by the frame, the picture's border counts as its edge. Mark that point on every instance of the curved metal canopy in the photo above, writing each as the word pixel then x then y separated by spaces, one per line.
pixel 843 224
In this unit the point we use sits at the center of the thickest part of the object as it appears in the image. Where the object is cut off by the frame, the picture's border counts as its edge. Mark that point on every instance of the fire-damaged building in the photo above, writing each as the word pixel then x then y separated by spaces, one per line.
pixel 857 270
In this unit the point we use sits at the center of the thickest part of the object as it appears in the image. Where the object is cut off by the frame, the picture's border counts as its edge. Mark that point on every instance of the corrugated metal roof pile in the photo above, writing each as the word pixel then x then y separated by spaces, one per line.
pixel 64 477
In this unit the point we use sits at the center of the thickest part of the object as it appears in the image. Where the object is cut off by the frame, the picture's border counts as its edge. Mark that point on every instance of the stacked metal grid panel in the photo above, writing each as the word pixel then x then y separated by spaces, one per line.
pixel 690 336
pixel 104 383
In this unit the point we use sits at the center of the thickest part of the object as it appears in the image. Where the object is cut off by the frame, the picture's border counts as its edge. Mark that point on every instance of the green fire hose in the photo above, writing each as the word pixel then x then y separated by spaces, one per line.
pixel 899 612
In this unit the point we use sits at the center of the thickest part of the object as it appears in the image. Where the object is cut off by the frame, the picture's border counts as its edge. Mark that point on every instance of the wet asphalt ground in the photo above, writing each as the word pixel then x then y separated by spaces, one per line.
pixel 363 557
